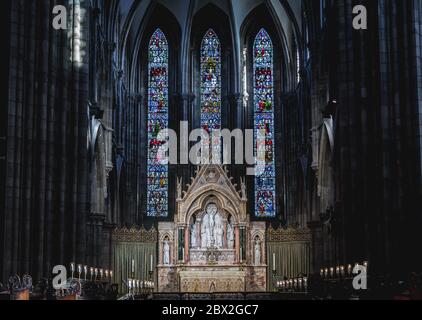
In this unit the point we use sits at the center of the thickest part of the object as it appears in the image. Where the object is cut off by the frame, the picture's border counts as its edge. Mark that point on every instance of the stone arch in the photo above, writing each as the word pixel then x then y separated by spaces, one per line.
pixel 326 172
pixel 212 17
pixel 198 201
pixel 98 170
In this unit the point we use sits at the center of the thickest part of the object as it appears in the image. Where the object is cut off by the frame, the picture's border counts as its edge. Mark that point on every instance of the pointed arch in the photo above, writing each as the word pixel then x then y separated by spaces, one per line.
pixel 263 71
pixel 158 119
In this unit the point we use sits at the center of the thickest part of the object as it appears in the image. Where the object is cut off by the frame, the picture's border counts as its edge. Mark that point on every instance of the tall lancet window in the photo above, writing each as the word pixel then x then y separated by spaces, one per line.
pixel 211 90
pixel 158 120
pixel 264 123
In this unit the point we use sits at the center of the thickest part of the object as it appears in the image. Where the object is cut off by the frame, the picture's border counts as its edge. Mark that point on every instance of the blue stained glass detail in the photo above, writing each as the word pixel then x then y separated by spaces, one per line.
pixel 263 68
pixel 158 119
pixel 211 86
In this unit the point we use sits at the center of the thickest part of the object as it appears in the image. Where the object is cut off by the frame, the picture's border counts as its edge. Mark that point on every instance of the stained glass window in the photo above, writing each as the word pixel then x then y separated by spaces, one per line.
pixel 211 88
pixel 157 170
pixel 264 123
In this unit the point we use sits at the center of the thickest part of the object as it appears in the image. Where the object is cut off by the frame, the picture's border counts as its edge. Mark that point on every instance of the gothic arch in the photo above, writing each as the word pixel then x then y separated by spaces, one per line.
pixel 326 172
pixel 214 18
pixel 98 173
pixel 199 200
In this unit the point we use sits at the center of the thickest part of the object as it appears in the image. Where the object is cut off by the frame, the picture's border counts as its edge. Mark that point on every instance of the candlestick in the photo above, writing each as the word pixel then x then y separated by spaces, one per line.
pixel 151 269
pixel 86 272
pixel 133 266
pixel 72 268
pixel 274 266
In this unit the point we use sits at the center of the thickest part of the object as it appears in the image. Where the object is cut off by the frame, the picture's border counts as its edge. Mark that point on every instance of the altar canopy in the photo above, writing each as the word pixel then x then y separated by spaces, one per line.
pixel 212 246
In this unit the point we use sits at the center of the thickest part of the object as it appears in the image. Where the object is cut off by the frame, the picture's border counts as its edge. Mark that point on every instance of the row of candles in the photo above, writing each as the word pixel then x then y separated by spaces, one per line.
pixel 341 271
pixel 103 274
pixel 138 286
pixel 297 284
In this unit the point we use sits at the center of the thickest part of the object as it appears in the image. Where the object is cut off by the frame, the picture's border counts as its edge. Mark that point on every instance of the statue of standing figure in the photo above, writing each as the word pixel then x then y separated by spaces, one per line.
pixel 230 236
pixel 193 235
pixel 166 252
pixel 212 228
pixel 219 234
pixel 257 252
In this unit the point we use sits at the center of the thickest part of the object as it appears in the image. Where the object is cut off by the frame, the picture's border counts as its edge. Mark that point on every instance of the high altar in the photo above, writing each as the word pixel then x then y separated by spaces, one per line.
pixel 212 246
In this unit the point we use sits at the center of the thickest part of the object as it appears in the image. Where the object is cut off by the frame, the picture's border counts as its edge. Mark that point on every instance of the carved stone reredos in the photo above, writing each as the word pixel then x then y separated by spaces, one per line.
pixel 211 185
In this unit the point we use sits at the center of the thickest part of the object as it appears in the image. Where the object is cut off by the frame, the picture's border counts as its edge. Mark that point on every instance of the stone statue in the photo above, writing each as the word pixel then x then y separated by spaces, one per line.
pixel 205 232
pixel 230 236
pixel 219 236
pixel 212 228
pixel 257 253
pixel 243 188
pixel 179 188
pixel 166 253
pixel 193 236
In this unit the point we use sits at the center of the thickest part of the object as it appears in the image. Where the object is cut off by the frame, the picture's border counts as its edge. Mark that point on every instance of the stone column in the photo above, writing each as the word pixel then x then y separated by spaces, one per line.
pixel 187 238
pixel 198 234
pixel 237 244
pixel 225 242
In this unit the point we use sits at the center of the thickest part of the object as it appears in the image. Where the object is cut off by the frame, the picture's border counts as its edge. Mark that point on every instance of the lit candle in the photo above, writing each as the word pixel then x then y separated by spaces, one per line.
pixel 342 270
pixel 111 274
pixel 349 269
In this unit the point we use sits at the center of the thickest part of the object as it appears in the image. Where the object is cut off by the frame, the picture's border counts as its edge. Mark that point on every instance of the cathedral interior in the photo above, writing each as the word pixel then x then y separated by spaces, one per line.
pixel 83 183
